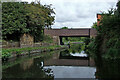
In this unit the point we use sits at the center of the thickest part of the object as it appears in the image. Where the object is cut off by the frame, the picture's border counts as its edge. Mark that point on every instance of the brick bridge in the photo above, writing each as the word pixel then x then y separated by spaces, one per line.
pixel 57 34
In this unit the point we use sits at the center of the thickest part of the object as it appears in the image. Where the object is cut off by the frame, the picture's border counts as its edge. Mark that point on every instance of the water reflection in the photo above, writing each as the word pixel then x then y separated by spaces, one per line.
pixel 71 63
pixel 57 60
pixel 35 70
pixel 76 51
pixel 72 71
pixel 66 54
pixel 53 65
pixel 27 64
pixel 82 54
pixel 31 67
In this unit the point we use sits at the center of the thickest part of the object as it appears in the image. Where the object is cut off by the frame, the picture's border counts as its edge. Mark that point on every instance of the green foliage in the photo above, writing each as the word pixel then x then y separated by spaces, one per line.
pixel 93 48
pixel 13 19
pixel 77 47
pixel 21 17
pixel 74 39
pixel 38 17
pixel 94 25
pixel 47 39
pixel 86 40
pixel 107 42
pixel 117 12
pixel 7 53
pixel 112 53
pixel 64 28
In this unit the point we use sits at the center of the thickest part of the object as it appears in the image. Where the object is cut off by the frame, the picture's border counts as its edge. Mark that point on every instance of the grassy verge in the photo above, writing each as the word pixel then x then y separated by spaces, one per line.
pixel 7 53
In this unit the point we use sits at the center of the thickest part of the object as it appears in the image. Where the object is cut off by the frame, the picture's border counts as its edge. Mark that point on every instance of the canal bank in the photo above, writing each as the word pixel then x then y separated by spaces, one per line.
pixel 17 60
pixel 17 52
pixel 50 65
pixel 68 64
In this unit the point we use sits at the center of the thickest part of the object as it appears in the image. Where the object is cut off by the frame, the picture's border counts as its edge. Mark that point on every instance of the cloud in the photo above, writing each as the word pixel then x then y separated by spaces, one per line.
pixel 78 13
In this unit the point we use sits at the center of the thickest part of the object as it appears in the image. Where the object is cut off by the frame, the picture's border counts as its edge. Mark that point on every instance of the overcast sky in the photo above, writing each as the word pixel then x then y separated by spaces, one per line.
pixel 77 13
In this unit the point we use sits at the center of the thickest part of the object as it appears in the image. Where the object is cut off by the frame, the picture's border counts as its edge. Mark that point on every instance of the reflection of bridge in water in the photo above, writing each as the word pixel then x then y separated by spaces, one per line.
pixel 56 61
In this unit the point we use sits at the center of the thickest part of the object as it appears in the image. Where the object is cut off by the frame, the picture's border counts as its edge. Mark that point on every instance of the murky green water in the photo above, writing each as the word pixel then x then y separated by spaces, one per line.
pixel 71 63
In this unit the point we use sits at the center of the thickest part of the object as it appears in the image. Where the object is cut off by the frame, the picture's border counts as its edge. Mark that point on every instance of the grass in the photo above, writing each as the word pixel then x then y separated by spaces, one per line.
pixel 6 53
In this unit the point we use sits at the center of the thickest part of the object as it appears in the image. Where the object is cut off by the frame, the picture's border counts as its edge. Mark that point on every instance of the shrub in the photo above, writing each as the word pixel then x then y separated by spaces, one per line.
pixel 5 55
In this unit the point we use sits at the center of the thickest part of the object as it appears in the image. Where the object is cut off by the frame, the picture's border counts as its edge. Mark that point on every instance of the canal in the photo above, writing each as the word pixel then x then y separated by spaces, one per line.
pixel 65 64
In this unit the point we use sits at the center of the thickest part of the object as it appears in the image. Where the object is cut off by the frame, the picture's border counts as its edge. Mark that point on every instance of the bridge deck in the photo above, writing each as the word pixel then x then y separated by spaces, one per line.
pixel 70 32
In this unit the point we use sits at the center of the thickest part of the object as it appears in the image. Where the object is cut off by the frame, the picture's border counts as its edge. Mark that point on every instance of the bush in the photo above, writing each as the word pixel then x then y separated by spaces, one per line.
pixel 112 54
pixel 107 41
pixel 47 39
pixel 5 55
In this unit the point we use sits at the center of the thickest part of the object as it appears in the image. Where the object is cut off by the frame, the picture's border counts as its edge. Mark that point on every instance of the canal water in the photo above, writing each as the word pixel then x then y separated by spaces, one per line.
pixel 72 63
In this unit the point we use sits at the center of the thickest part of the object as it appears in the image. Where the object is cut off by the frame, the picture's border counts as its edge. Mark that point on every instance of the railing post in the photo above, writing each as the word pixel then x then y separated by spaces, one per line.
pixel 89 33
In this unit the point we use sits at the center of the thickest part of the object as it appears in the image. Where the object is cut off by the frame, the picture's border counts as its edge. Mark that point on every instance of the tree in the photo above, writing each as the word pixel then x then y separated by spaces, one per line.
pixel 64 28
pixel 21 17
pixel 107 41
pixel 39 17
pixel 94 25
pixel 13 20
pixel 117 12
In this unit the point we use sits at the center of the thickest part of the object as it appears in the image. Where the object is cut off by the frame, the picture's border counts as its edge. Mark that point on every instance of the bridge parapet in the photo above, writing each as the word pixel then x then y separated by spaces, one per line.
pixel 56 34
pixel 71 32
pixel 68 32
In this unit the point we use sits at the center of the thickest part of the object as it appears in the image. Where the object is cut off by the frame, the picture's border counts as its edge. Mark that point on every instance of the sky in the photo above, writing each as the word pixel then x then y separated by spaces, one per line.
pixel 77 13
